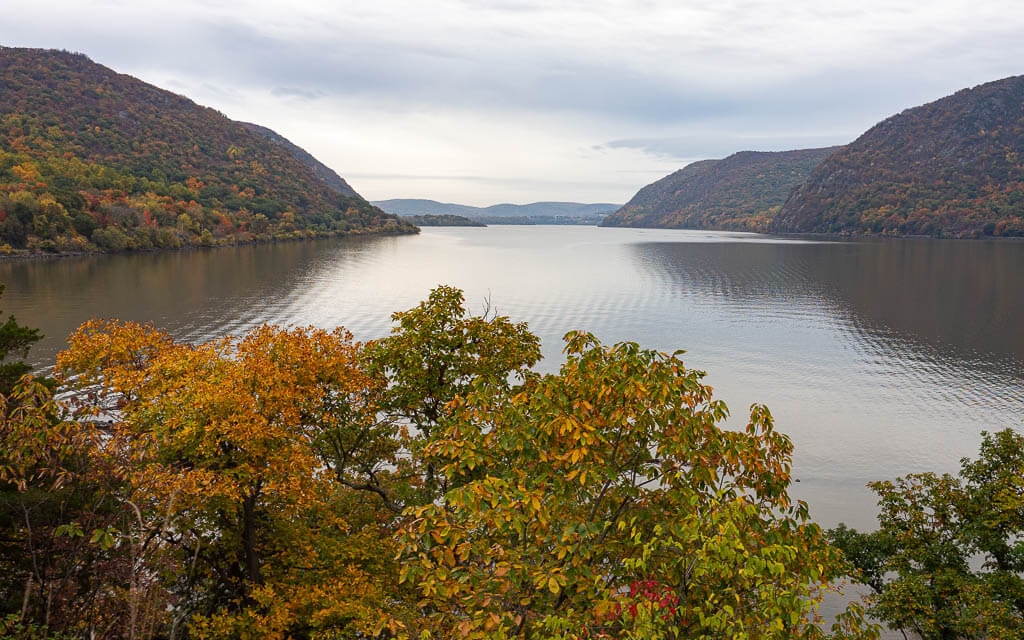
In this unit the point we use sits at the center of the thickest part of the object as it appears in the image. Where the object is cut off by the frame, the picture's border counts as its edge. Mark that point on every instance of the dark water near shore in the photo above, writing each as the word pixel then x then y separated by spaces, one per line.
pixel 879 358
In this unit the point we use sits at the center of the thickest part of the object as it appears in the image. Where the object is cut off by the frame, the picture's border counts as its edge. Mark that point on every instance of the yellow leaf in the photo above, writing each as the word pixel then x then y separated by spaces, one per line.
pixel 553 585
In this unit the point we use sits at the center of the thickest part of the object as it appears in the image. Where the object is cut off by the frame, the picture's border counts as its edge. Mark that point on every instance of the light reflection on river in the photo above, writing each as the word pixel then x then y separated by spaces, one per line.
pixel 878 358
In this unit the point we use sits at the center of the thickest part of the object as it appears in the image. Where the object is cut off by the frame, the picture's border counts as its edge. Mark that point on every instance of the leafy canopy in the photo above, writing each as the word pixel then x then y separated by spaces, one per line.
pixel 605 501
pixel 295 483
pixel 948 558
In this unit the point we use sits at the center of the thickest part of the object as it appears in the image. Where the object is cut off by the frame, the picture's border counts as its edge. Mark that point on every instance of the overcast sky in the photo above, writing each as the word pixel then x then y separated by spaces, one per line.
pixel 523 100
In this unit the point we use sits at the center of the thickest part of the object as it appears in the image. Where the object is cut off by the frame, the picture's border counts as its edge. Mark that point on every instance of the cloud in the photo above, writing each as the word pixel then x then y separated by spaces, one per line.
pixel 491 180
pixel 719 145
pixel 294 92
pixel 573 91
pixel 640 62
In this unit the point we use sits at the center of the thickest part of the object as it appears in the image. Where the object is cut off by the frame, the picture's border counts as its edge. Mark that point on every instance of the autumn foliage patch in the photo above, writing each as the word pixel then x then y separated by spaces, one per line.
pixel 296 483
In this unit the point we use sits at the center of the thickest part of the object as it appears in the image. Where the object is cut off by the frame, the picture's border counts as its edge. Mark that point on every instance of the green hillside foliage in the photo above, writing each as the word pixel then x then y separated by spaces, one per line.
pixel 953 167
pixel 93 160
pixel 742 192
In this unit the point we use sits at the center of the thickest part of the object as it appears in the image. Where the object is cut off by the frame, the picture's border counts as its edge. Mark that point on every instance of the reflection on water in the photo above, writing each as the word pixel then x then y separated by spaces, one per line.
pixel 878 358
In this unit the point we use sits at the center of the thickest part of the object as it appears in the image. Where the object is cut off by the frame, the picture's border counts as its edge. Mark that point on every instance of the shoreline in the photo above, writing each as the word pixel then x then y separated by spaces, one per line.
pixel 47 256
pixel 827 236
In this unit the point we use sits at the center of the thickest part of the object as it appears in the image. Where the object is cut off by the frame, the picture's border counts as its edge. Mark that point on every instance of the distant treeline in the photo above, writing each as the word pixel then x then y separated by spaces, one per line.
pixel 441 220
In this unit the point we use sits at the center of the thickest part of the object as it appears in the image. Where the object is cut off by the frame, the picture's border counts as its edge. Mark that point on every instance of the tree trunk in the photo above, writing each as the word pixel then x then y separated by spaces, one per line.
pixel 252 560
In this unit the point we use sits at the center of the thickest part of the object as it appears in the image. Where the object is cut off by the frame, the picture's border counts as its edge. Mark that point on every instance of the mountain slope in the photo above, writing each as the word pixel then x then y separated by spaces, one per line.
pixel 415 207
pixel 327 175
pixel 742 192
pixel 951 167
pixel 95 160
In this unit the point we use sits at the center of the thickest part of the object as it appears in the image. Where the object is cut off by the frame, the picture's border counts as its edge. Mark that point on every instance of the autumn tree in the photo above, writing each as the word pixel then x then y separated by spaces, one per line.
pixel 61 504
pixel 435 354
pixel 947 560
pixel 294 483
pixel 59 568
pixel 223 446
pixel 606 501
pixel 274 469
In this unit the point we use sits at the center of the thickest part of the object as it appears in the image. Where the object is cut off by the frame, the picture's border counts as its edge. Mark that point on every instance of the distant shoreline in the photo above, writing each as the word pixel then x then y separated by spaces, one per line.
pixel 829 236
pixel 44 256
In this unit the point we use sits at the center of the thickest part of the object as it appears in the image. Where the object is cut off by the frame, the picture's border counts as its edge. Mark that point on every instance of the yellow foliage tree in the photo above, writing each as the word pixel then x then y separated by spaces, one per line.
pixel 228 450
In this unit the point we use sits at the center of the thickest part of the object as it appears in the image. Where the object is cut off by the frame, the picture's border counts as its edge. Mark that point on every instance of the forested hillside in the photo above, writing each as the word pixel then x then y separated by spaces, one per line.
pixel 953 167
pixel 93 160
pixel 742 192
pixel 322 171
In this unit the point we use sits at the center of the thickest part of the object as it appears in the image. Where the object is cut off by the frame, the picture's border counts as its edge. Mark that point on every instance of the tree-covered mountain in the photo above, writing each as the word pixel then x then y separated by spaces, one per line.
pixel 741 192
pixel 419 207
pixel 93 160
pixel 953 167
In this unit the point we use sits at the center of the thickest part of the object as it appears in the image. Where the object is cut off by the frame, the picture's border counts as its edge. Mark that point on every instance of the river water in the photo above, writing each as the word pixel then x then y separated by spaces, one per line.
pixel 878 357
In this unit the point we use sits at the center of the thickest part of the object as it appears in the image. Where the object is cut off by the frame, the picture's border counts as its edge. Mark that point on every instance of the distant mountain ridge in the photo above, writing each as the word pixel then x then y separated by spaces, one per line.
pixel 742 191
pixel 952 167
pixel 418 207
pixel 94 160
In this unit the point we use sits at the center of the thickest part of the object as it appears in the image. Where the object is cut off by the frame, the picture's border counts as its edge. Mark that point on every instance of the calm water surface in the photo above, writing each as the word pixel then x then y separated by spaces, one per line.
pixel 878 358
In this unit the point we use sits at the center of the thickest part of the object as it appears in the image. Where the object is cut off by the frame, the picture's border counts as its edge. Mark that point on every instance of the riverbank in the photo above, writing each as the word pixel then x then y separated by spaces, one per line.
pixel 851 236
pixel 24 255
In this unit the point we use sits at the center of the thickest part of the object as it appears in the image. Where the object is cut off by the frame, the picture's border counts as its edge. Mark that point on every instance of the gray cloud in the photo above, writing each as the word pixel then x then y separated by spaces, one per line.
pixel 411 76
pixel 293 92
pixel 719 145
pixel 703 74
pixel 637 83
pixel 489 180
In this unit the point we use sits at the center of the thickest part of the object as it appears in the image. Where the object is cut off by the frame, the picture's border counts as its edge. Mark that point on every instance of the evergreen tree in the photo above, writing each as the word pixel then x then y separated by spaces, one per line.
pixel 15 341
